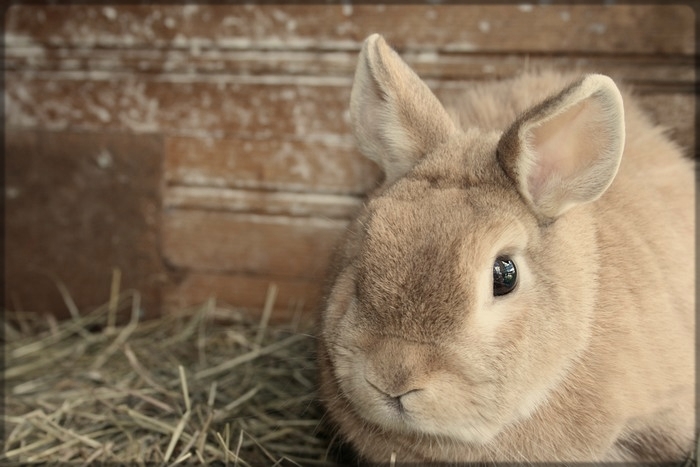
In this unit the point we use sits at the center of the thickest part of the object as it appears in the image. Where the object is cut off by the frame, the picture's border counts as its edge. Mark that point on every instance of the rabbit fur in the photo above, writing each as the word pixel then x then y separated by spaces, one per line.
pixel 591 356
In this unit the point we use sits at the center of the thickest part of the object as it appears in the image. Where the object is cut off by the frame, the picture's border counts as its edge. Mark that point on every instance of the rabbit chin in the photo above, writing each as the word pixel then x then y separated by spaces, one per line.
pixel 468 432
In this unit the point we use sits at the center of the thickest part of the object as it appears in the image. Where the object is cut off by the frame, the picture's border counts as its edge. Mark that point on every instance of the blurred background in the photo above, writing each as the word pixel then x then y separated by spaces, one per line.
pixel 197 151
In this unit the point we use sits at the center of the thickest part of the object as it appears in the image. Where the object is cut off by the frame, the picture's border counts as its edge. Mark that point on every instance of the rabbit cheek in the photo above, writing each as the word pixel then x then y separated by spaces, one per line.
pixel 464 416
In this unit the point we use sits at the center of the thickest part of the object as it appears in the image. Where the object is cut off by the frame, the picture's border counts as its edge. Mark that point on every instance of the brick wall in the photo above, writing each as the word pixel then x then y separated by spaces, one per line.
pixel 204 150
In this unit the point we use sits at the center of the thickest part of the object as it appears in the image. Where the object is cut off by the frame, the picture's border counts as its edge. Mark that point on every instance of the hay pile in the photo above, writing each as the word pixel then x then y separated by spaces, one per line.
pixel 206 386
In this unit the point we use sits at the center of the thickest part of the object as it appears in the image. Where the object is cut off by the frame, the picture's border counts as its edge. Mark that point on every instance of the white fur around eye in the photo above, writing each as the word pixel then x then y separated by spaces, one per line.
pixel 491 312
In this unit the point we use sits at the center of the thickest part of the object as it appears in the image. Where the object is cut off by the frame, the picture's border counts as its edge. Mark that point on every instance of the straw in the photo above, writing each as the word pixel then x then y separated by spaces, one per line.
pixel 200 385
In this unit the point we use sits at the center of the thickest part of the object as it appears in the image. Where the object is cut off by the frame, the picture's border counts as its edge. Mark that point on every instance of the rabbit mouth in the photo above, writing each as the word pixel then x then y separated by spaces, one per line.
pixel 413 412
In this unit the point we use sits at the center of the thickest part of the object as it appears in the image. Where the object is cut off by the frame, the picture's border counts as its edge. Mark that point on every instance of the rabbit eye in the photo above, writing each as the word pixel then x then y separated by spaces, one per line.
pixel 505 276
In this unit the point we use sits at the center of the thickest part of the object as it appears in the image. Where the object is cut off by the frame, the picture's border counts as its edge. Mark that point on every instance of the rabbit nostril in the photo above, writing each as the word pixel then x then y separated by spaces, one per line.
pixel 395 404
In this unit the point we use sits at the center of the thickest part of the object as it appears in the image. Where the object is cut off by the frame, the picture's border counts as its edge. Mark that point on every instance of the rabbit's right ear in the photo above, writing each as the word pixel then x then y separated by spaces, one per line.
pixel 566 151
pixel 395 117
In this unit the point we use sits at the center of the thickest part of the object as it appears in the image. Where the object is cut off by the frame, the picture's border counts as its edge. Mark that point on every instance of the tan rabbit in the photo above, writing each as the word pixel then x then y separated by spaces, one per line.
pixel 521 287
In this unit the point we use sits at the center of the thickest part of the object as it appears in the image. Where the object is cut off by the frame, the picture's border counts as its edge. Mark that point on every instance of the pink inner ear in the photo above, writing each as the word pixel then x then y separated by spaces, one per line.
pixel 564 145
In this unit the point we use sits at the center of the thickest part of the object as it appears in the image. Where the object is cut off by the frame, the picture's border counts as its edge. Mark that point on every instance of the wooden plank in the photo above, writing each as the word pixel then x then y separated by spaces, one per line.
pixel 639 29
pixel 247 291
pixel 213 241
pixel 429 65
pixel 78 205
pixel 269 164
pixel 190 107
pixel 312 110
pixel 260 202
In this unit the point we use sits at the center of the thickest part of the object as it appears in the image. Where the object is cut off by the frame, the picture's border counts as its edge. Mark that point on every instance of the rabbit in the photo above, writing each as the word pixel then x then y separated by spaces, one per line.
pixel 520 287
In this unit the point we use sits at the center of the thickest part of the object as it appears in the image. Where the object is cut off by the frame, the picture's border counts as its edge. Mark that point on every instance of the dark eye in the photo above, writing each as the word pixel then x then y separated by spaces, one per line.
pixel 505 276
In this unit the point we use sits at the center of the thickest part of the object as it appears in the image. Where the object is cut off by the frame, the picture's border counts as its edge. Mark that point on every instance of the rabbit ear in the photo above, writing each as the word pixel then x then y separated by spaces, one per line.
pixel 566 151
pixel 395 117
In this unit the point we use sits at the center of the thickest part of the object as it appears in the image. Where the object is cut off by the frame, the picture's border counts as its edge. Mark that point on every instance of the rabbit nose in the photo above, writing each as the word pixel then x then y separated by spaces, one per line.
pixel 393 398
pixel 393 392
pixel 395 367
pixel 388 376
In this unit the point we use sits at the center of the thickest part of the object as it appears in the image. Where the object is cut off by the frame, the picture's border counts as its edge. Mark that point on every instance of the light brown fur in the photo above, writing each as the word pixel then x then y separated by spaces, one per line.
pixel 591 357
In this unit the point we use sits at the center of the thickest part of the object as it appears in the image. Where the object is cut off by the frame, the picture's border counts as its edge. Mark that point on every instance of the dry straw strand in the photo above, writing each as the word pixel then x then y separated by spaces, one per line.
pixel 267 312
pixel 113 300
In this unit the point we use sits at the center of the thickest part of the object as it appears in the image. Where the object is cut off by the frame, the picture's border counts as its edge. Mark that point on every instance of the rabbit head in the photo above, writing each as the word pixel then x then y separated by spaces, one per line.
pixel 470 277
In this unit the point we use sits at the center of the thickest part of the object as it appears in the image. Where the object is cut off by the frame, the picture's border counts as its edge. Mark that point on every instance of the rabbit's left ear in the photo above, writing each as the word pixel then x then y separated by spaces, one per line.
pixel 566 151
